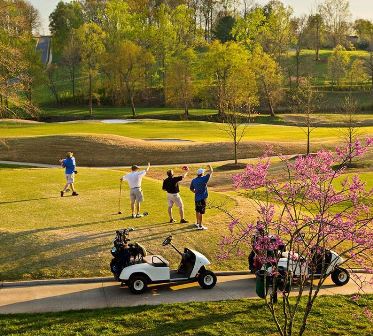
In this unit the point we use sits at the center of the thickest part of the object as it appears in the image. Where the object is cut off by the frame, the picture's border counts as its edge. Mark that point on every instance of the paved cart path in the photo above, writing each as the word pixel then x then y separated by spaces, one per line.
pixel 62 297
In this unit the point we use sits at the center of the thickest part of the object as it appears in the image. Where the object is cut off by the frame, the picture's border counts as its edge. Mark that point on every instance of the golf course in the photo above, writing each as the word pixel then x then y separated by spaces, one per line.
pixel 70 237
pixel 186 168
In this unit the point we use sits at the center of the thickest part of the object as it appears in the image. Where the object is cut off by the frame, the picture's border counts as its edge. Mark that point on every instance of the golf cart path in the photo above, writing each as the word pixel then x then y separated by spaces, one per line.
pixel 44 165
pixel 54 298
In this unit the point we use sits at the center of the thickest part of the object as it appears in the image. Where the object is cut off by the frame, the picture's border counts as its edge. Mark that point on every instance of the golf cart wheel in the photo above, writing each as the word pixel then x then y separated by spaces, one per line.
pixel 138 284
pixel 207 279
pixel 340 276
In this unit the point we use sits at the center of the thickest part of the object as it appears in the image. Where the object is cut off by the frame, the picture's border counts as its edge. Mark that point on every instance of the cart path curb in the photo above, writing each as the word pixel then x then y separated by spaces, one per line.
pixel 47 282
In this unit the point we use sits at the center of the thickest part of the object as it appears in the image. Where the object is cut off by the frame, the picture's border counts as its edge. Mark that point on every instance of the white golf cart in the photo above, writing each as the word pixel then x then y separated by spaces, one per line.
pixel 155 269
pixel 325 266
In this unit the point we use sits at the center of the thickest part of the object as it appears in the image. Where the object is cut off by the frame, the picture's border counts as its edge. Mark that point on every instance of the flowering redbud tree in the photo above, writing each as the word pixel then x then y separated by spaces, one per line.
pixel 314 220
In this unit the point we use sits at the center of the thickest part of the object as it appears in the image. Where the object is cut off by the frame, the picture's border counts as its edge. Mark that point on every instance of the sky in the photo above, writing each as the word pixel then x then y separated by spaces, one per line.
pixel 359 8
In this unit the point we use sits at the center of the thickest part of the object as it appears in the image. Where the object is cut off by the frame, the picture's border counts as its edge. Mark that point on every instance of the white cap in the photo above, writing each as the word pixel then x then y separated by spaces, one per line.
pixel 200 171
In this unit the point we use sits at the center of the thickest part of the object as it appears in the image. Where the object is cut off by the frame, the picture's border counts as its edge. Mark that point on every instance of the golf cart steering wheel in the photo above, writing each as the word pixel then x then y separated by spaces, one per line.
pixel 167 241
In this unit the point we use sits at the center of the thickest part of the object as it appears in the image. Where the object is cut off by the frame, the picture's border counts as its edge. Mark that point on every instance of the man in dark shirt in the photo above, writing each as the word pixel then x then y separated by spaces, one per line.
pixel 171 185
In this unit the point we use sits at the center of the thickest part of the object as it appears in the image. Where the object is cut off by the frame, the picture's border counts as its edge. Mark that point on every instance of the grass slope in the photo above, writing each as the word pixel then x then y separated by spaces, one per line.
pixel 45 236
pixel 331 316
pixel 99 144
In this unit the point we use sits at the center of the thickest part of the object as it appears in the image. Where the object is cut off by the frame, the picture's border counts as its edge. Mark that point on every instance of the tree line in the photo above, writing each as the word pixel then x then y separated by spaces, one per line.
pixel 228 54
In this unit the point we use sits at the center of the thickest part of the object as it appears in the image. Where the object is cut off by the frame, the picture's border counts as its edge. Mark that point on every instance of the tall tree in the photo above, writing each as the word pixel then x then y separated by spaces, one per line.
pixel 315 33
pixel 17 52
pixel 71 59
pixel 269 76
pixel 277 36
pixel 222 65
pixel 337 65
pixel 180 88
pixel 62 21
pixel 128 63
pixel 336 15
pixel 91 40
pixel 350 131
pixel 305 100
pixel 299 31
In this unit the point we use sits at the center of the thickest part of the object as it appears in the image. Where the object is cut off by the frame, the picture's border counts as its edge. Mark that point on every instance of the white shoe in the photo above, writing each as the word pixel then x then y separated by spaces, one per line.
pixel 202 227
pixel 139 215
pixel 196 225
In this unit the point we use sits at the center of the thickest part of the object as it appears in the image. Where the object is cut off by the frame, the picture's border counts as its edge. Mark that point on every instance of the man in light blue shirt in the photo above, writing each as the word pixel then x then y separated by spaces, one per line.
pixel 70 170
pixel 199 187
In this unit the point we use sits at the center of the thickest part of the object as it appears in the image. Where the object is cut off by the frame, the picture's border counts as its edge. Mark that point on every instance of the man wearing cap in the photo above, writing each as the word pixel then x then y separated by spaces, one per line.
pixel 134 180
pixel 171 185
pixel 70 170
pixel 199 187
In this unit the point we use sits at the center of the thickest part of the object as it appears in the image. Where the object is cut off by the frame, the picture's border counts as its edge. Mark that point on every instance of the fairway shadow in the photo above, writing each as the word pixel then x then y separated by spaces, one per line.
pixel 164 233
pixel 29 200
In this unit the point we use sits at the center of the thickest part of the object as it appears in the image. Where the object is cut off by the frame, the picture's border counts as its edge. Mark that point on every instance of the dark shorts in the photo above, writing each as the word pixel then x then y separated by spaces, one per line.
pixel 201 206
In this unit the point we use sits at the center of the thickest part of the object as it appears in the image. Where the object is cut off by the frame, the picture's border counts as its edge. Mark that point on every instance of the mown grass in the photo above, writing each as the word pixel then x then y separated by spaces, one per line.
pixel 186 130
pixel 319 70
pixel 331 316
pixel 107 112
pixel 45 236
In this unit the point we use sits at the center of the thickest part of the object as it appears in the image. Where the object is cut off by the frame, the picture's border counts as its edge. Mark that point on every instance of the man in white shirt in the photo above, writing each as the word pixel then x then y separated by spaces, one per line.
pixel 134 180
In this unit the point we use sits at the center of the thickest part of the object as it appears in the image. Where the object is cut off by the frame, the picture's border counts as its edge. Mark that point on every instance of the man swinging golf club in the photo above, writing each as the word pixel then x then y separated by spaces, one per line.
pixel 199 187
pixel 70 170
pixel 171 185
pixel 134 180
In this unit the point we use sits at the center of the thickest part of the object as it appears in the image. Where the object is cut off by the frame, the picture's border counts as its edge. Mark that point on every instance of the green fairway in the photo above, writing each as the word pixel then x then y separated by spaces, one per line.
pixel 46 236
pixel 186 130
pixel 228 318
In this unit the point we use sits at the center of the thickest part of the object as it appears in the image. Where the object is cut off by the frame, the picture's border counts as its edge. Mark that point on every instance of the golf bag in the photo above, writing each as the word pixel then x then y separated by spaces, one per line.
pixel 125 254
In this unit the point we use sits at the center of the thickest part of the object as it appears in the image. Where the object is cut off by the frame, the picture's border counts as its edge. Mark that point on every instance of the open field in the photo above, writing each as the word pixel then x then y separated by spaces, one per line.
pixel 46 236
pixel 230 318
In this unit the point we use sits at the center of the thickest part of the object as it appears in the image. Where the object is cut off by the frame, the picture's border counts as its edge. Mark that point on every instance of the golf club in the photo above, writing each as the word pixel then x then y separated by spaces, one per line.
pixel 120 196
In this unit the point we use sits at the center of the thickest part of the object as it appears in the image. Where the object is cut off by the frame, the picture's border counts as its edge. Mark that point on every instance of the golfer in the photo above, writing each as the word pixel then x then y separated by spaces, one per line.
pixel 199 187
pixel 70 170
pixel 134 180
pixel 171 185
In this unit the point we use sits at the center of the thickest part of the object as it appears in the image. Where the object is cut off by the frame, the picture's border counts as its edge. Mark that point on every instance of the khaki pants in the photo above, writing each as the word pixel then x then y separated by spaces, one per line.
pixel 174 199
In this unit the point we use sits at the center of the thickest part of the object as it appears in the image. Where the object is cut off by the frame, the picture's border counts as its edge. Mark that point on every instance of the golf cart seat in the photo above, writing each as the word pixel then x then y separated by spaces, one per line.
pixel 156 261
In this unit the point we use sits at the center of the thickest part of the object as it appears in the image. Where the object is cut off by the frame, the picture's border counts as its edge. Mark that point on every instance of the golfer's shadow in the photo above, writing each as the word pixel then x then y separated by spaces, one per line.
pixel 29 200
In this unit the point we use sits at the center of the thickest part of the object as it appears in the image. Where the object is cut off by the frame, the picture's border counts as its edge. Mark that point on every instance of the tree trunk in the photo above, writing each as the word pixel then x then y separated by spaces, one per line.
pixel 73 80
pixel 90 96
pixel 297 59
pixel 186 110
pixel 269 100
pixel 29 94
pixel 133 106
pixel 308 141
pixel 235 151
pixel 317 51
